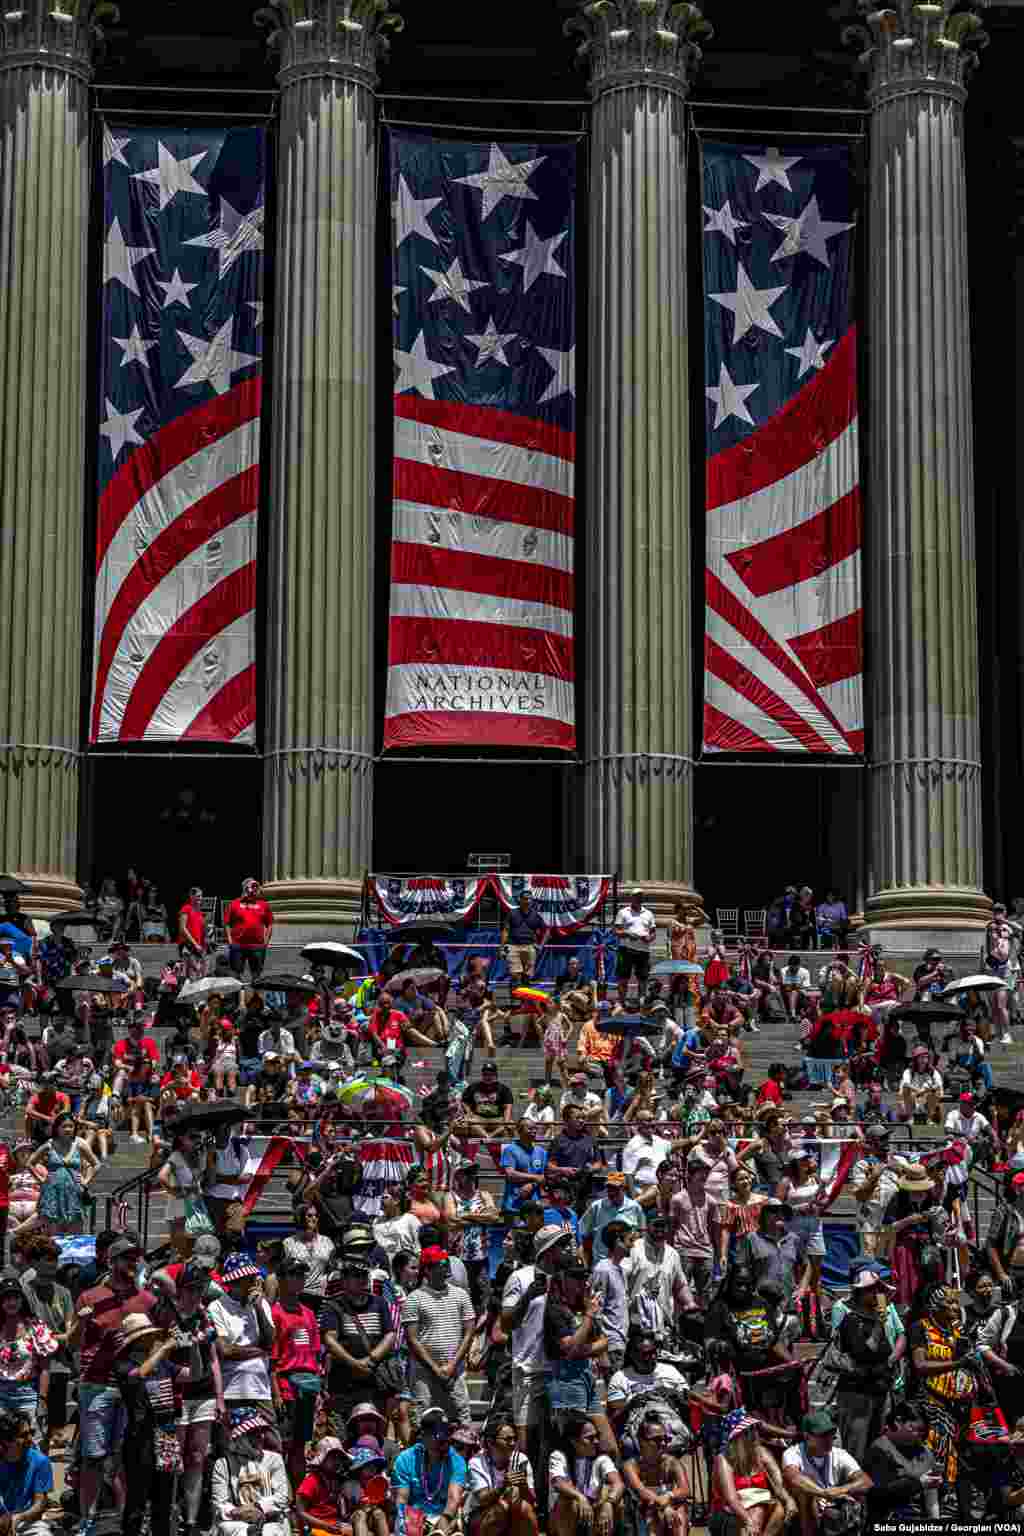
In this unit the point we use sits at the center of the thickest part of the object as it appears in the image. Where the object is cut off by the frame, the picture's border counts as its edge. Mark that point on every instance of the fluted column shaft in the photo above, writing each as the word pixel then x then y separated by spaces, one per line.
pixel 44 224
pixel 319 773
pixel 638 780
pixel 925 834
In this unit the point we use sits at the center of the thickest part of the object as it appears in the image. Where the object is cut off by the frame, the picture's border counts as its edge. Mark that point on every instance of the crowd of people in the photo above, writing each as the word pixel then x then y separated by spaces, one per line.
pixel 628 1267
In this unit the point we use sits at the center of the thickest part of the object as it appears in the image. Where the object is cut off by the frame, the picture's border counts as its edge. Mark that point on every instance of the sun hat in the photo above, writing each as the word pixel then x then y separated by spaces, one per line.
pixel 239 1266
pixel 246 1423
pixel 738 1425
pixel 915 1177
pixel 319 1452
pixel 864 1279
pixel 134 1326
pixel 365 1411
pixel 547 1237
pixel 205 1248
pixel 122 1246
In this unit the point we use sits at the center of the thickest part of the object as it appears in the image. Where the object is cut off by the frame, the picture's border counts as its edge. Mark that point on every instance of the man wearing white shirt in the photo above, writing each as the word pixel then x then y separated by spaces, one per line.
pixel 635 929
pixel 964 1121
pixel 921 1088
pixel 279 1040
pixel 643 1153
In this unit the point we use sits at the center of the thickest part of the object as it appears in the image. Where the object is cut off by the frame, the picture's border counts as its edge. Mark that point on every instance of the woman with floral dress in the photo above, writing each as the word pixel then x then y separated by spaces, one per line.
pixel 26 1345
pixel 70 1168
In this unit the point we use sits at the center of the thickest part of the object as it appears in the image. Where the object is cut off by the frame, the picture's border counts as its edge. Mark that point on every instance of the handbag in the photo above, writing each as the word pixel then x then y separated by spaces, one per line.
pixel 197 1217
pixel 388 1375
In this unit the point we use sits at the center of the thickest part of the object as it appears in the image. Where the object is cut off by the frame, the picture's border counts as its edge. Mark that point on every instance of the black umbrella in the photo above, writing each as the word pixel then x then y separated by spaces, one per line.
pixel 77 919
pixel 426 930
pixel 631 1024
pixel 10 885
pixel 926 1014
pixel 285 981
pixel 207 1117
pixel 91 984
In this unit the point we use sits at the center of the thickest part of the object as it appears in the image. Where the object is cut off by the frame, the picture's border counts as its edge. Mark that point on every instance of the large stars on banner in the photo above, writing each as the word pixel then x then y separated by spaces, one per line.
pixel 773 304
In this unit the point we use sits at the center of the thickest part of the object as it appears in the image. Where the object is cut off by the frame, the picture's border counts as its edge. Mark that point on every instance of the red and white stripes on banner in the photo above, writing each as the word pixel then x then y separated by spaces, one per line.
pixel 176 565
pixel 784 644
pixel 481 567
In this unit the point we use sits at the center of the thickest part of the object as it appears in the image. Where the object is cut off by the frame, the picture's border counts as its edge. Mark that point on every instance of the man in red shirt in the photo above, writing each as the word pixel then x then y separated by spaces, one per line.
pixel 296 1349
pixel 100 1312
pixel 385 1027
pixel 192 936
pixel 250 923
pixel 136 1060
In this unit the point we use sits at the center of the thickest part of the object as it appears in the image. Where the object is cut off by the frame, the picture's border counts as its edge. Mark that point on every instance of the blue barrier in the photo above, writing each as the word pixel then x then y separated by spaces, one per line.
pixel 376 944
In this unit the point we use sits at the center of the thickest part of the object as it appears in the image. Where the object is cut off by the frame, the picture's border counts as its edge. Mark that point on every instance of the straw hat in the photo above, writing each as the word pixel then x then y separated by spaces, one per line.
pixel 916 1178
pixel 134 1326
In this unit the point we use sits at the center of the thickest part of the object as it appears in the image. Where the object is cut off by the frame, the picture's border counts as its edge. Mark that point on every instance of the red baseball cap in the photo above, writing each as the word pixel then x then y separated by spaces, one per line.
pixel 967 1098
pixel 434 1255
pixel 1018 1180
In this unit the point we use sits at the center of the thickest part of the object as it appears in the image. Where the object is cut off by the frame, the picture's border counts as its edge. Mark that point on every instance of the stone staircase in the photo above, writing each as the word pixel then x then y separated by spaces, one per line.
pixel 523 1070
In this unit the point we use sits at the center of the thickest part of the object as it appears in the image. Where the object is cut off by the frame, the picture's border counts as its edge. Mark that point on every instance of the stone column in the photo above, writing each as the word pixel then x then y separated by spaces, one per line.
pixel 319 740
pixel 642 56
pixel 925 833
pixel 45 66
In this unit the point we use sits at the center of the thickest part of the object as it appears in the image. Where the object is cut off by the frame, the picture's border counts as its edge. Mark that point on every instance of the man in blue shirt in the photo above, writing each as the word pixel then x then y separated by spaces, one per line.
pixel 524 1163
pixel 430 1476
pixel 26 1475
pixel 522 934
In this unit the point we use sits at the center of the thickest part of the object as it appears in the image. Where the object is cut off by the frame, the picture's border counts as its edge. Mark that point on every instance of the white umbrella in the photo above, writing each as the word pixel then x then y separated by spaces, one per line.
pixel 327 952
pixel 194 991
pixel 975 984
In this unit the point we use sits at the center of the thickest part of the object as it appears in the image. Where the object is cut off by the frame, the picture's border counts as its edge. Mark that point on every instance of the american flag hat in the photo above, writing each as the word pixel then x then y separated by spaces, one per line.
pixel 237 1267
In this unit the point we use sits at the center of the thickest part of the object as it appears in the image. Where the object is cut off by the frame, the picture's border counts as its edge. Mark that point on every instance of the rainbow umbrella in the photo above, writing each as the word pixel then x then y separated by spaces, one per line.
pixel 379 1090
pixel 531 995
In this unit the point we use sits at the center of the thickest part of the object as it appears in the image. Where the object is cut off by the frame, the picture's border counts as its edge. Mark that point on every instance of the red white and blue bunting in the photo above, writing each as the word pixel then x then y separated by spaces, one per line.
pixel 565 902
pixel 401 900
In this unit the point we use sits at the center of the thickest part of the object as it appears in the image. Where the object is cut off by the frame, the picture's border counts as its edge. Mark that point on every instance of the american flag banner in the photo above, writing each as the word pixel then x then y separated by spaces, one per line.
pixel 480 646
pixel 783 649
pixel 179 434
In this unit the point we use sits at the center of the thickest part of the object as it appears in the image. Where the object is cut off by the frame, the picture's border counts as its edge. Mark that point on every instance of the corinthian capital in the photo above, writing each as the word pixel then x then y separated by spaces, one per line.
pixel 640 42
pixel 344 38
pixel 56 34
pixel 908 46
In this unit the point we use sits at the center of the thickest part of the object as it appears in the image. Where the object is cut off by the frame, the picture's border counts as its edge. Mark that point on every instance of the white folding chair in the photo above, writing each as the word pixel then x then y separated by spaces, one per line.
pixel 728 920
pixel 755 922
